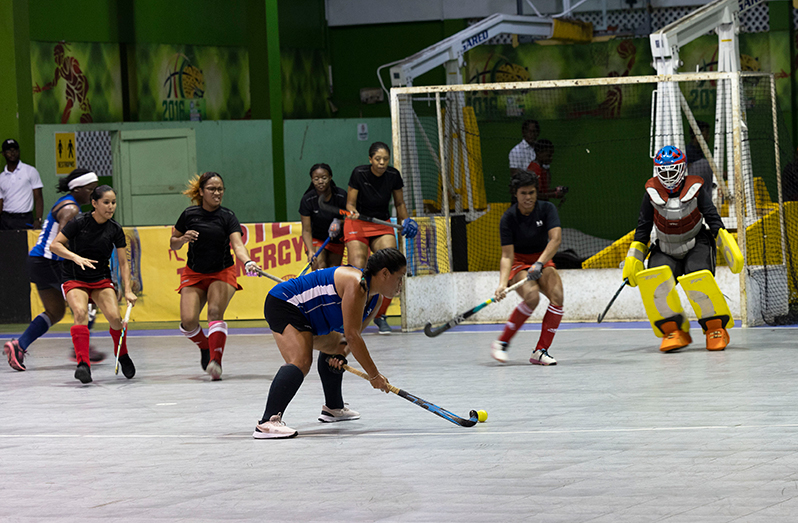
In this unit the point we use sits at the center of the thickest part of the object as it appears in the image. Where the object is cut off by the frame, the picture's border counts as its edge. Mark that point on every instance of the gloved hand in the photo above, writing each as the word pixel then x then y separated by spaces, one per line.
pixel 634 262
pixel 336 363
pixel 252 268
pixel 560 191
pixel 535 271
pixel 409 228
pixel 335 228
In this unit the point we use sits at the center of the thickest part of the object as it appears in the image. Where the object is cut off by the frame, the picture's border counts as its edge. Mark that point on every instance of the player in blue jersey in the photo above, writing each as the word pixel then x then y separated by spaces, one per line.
pixel 310 312
pixel 44 267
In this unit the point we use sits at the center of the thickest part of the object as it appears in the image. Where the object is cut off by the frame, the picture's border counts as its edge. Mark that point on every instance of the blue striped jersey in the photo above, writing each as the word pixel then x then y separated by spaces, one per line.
pixel 50 229
pixel 314 294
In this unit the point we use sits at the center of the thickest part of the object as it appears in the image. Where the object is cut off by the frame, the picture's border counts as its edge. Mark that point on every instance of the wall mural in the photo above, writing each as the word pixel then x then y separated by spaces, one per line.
pixel 76 82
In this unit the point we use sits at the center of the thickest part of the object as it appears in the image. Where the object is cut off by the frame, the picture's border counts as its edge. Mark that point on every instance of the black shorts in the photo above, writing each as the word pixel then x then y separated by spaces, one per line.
pixel 45 273
pixel 702 256
pixel 280 313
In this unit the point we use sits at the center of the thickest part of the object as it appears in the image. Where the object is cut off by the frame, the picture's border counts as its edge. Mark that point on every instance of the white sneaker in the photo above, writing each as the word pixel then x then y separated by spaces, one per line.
pixel 541 357
pixel 273 429
pixel 498 349
pixel 329 415
pixel 215 370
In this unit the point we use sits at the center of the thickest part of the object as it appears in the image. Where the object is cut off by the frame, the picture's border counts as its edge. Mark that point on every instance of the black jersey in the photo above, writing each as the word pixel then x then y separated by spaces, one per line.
pixel 93 241
pixel 374 192
pixel 528 234
pixel 211 251
pixel 319 220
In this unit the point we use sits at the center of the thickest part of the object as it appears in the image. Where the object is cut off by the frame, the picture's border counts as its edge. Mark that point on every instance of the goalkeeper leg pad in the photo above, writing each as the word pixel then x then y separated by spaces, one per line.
pixel 662 303
pixel 710 306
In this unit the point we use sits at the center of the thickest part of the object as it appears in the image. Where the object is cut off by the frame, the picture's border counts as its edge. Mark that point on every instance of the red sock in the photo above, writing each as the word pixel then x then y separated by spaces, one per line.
pixel 115 335
pixel 551 320
pixel 517 318
pixel 80 339
pixel 384 307
pixel 217 335
pixel 197 336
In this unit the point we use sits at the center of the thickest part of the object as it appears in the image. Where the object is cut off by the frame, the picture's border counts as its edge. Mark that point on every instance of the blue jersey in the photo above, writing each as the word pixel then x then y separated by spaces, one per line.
pixel 50 229
pixel 314 294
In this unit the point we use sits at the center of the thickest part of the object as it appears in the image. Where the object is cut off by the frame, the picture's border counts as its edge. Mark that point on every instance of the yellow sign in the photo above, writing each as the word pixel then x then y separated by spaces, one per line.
pixel 66 154
pixel 156 270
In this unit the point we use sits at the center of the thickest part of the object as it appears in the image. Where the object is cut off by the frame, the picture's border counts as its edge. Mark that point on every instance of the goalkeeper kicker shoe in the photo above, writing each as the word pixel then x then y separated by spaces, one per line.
pixel 717 336
pixel 675 338
pixel 329 415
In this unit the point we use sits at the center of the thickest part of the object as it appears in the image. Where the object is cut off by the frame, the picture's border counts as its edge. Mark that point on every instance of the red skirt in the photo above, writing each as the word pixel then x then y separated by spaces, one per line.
pixel 191 278
pixel 358 230
pixel 522 262
pixel 335 248
pixel 87 286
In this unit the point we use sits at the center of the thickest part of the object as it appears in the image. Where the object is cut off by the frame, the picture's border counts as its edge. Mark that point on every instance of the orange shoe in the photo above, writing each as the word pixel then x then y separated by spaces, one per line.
pixel 717 336
pixel 674 337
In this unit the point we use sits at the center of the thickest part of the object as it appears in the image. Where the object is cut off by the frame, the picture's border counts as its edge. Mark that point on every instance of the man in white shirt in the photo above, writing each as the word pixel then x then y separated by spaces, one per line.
pixel 20 188
pixel 524 153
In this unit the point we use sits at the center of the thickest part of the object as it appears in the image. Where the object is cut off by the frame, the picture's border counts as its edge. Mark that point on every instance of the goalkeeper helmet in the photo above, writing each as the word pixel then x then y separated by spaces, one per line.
pixel 670 165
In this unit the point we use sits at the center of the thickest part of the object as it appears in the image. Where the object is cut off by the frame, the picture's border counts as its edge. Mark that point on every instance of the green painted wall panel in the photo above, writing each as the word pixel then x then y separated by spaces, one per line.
pixel 238 150
pixel 330 141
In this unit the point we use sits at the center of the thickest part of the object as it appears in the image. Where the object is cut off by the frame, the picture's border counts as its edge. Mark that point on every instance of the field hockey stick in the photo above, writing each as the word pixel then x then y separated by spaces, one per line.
pixel 324 206
pixel 261 272
pixel 443 413
pixel 457 320
pixel 607 308
pixel 315 255
pixel 122 337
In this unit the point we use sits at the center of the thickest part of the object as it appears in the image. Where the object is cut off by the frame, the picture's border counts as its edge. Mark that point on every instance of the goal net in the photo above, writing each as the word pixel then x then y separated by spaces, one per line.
pixel 453 146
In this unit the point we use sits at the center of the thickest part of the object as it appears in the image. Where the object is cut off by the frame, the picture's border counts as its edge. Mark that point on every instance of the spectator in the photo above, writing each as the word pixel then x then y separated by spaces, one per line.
pixel 524 153
pixel 20 188
pixel 542 168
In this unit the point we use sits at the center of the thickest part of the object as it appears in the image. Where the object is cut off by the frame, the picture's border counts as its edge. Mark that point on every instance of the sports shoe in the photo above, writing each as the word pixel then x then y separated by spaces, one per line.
pixel 329 415
pixel 214 368
pixel 128 369
pixel 83 372
pixel 382 325
pixel 675 338
pixel 273 429
pixel 541 357
pixel 15 354
pixel 92 313
pixel 498 349
pixel 717 336
pixel 205 358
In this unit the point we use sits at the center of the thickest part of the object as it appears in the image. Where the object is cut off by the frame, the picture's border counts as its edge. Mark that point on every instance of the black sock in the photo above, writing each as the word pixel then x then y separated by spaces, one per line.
pixel 331 383
pixel 284 386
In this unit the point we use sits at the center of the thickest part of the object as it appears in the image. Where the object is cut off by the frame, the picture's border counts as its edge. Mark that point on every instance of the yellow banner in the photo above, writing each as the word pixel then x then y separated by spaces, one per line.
pixel 156 270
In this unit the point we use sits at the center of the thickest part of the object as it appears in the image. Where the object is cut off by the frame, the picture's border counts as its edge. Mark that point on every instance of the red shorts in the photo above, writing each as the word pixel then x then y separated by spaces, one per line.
pixel 87 286
pixel 358 230
pixel 191 278
pixel 335 248
pixel 522 262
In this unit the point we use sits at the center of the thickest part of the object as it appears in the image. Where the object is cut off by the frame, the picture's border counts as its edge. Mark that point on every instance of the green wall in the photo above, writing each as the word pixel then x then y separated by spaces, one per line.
pixel 334 142
pixel 239 151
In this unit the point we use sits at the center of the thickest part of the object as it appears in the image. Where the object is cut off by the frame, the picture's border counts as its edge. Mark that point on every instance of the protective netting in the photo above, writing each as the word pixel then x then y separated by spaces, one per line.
pixel 456 163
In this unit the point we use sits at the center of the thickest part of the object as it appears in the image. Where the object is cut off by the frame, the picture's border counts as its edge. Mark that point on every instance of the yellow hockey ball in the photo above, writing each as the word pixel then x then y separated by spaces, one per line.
pixel 482 416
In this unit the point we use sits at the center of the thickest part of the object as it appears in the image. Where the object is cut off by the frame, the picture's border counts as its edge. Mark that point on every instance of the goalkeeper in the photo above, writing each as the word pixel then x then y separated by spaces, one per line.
pixel 688 228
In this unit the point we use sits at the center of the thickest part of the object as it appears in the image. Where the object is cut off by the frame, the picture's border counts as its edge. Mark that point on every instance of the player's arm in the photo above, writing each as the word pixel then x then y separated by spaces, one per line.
pixel 65 214
pixel 353 303
pixel 710 213
pixel 307 236
pixel 121 255
pixel 59 248
pixel 399 204
pixel 645 221
pixel 178 239
pixel 351 202
pixel 505 264
pixel 555 240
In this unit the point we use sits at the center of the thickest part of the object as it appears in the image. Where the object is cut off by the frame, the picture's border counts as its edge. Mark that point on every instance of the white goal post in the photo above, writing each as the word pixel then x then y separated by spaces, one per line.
pixel 436 153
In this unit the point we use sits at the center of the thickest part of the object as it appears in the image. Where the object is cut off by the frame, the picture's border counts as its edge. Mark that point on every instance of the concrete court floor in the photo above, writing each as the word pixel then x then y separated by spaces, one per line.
pixel 617 432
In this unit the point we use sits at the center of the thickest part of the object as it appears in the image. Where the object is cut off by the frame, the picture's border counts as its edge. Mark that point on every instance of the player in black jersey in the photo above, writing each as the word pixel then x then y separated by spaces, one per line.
pixel 370 190
pixel 86 244
pixel 209 276
pixel 318 225
pixel 530 236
